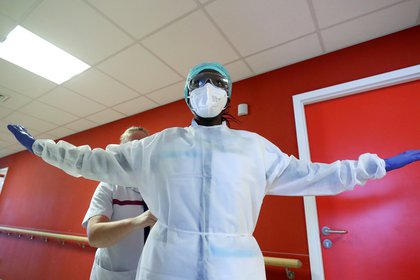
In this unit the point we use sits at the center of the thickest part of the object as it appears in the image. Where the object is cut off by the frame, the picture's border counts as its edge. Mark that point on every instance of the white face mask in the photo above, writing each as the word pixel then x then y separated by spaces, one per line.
pixel 208 101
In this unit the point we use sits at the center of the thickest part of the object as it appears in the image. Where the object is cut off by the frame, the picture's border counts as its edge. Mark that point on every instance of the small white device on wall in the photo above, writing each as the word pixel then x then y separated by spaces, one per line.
pixel 242 109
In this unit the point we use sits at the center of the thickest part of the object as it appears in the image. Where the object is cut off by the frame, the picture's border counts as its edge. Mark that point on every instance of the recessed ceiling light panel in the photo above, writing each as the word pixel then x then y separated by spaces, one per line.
pixel 39 56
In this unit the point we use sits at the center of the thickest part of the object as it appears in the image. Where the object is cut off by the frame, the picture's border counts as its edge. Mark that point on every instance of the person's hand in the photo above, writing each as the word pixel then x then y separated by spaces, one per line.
pixel 146 219
pixel 22 135
pixel 402 159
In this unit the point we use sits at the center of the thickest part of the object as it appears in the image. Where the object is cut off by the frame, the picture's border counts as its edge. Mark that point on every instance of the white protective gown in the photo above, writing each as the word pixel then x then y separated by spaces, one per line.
pixel 206 185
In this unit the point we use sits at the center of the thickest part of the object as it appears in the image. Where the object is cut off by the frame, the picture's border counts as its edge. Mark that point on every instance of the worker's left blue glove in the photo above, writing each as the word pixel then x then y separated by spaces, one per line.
pixel 402 159
pixel 22 135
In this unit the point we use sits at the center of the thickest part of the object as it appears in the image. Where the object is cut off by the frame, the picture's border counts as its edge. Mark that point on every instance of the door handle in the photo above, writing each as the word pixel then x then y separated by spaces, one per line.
pixel 327 231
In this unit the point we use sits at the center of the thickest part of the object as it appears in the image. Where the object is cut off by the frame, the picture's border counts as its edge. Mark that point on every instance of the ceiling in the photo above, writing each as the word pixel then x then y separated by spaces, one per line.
pixel 140 51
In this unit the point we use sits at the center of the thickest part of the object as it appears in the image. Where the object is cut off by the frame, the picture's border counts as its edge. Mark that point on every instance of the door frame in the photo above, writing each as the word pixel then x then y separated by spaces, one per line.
pixel 299 101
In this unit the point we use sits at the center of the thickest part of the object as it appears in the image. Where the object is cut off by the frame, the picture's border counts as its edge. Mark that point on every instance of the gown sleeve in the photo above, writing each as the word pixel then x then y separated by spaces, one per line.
pixel 287 175
pixel 114 165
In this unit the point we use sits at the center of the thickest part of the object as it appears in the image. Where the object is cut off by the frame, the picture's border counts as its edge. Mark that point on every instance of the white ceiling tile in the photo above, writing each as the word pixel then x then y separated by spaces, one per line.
pixel 372 26
pixel 238 70
pixel 140 17
pixel 3 128
pixel 190 41
pixel 76 28
pixel 15 9
pixel 100 87
pixel 10 150
pixel 6 26
pixel 48 113
pixel 135 106
pixel 254 26
pixel 44 136
pixel 16 147
pixel 23 81
pixel 4 112
pixel 105 116
pixel 3 144
pixel 81 125
pixel 7 137
pixel 14 100
pixel 71 102
pixel 33 125
pixel 329 12
pixel 60 132
pixel 286 54
pixel 168 94
pixel 140 70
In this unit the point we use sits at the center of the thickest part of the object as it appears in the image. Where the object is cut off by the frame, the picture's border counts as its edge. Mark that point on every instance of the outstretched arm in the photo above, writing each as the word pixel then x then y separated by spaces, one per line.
pixel 306 178
pixel 301 177
pixel 401 160
pixel 103 233
pixel 102 165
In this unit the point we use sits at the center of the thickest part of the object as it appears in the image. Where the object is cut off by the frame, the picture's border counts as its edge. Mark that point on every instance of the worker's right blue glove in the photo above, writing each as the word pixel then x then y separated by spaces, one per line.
pixel 402 159
pixel 22 135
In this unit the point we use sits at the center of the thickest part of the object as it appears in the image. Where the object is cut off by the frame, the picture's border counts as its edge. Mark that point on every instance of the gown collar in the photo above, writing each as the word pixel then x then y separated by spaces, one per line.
pixel 194 124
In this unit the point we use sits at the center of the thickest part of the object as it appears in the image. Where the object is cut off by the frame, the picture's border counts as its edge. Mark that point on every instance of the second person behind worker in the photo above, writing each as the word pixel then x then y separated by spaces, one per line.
pixel 117 223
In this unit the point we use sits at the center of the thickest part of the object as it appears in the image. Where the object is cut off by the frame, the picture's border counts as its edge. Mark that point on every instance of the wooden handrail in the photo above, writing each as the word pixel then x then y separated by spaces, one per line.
pixel 282 262
pixel 44 234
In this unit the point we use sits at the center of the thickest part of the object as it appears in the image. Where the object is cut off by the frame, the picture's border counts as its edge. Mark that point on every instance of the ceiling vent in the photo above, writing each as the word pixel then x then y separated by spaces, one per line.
pixel 3 97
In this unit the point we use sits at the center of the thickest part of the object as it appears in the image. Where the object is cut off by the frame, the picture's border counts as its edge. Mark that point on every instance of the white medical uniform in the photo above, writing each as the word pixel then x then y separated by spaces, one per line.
pixel 119 261
pixel 206 186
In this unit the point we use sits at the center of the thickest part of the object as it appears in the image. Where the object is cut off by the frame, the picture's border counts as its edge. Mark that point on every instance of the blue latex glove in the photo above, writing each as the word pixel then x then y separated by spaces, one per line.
pixel 22 135
pixel 402 159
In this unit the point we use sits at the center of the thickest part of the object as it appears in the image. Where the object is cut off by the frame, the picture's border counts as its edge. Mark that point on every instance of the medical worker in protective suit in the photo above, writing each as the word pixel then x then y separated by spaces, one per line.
pixel 205 183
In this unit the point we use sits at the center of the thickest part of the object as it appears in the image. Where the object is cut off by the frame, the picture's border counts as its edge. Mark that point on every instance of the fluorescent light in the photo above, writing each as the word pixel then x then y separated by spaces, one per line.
pixel 39 56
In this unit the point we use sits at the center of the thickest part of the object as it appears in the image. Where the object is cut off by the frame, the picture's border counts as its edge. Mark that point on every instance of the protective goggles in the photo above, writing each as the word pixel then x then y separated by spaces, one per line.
pixel 214 78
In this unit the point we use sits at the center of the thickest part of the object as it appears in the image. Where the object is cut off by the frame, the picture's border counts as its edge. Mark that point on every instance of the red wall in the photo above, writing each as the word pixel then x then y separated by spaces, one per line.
pixel 38 196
